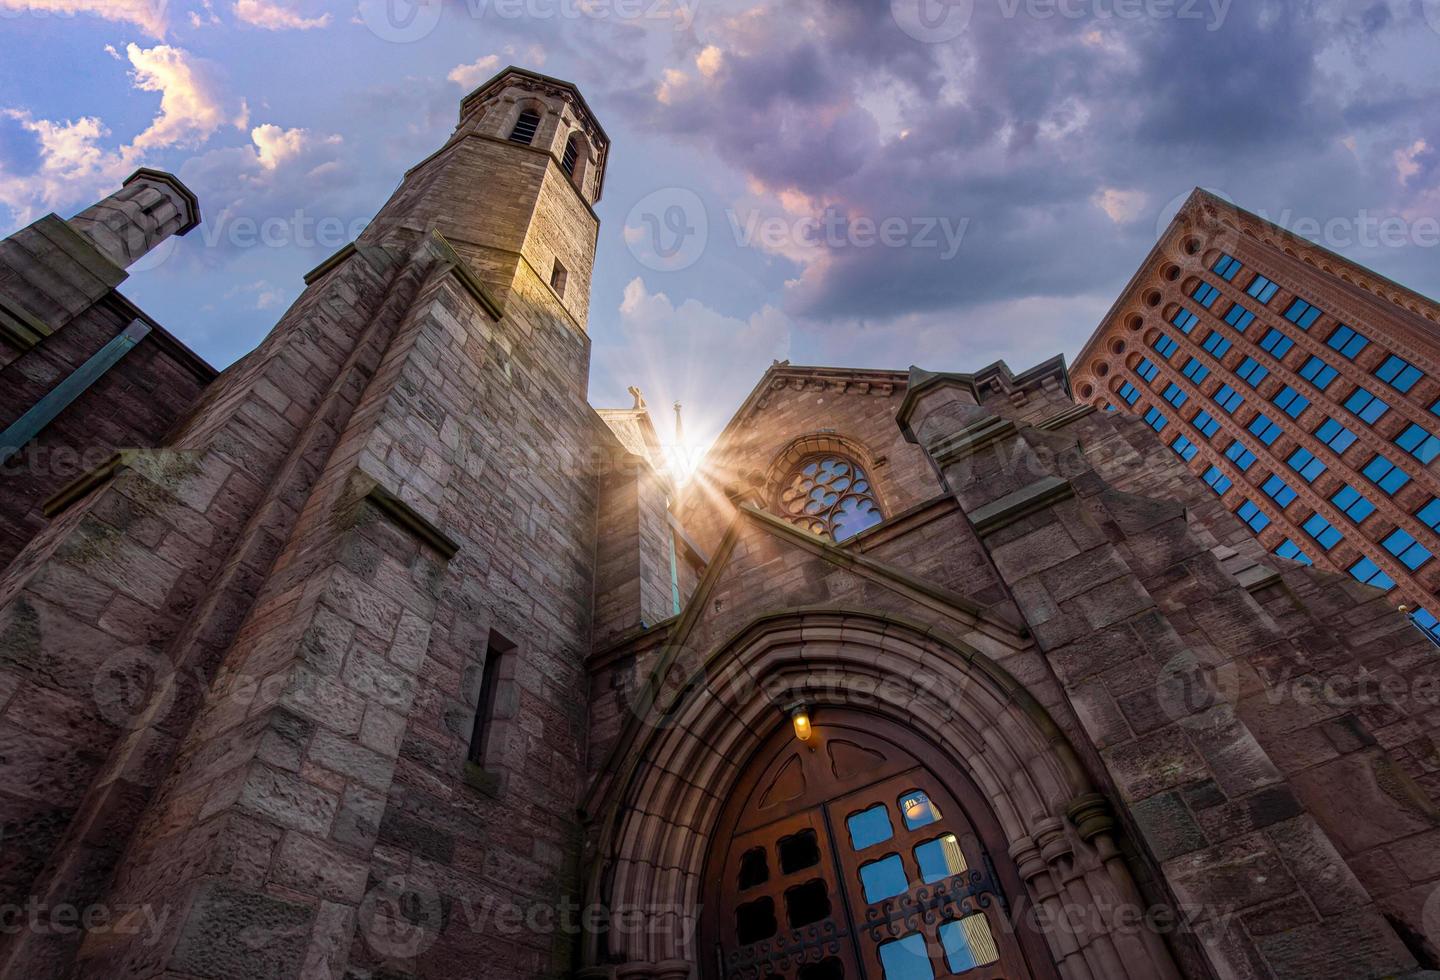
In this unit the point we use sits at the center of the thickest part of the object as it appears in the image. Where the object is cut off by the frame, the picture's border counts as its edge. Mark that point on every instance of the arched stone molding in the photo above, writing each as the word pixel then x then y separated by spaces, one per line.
pixel 655 828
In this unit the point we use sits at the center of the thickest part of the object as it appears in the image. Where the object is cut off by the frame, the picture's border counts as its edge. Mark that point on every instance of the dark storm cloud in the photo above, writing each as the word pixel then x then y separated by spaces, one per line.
pixel 1020 127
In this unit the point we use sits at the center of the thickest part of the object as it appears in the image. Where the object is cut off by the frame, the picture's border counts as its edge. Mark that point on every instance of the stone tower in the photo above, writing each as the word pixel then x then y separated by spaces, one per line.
pixel 399 476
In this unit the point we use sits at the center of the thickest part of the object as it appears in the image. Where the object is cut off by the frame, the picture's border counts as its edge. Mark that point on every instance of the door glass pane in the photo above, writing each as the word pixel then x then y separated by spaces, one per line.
pixel 884 878
pixel 827 969
pixel 968 943
pixel 799 851
pixel 755 921
pixel 918 809
pixel 906 959
pixel 754 870
pixel 807 903
pixel 939 859
pixel 869 827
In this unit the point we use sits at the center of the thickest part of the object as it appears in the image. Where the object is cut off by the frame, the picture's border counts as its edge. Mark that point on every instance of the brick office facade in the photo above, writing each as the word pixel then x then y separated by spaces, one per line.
pixel 1303 388
pixel 368 663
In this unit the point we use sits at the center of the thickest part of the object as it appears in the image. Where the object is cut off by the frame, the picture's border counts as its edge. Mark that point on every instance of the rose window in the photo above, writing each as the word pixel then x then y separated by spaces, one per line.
pixel 830 496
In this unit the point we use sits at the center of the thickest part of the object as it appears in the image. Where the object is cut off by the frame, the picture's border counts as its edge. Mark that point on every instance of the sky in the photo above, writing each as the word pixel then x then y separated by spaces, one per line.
pixel 863 183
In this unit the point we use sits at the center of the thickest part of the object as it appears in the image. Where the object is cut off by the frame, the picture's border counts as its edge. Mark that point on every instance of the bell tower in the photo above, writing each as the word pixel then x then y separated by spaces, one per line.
pixel 513 190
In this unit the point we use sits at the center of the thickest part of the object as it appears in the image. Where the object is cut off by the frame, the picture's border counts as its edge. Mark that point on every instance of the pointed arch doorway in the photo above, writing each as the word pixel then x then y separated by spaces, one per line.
pixel 862 854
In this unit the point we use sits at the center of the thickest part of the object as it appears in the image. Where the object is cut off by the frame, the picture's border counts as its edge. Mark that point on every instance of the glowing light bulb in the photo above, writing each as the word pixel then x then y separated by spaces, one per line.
pixel 800 718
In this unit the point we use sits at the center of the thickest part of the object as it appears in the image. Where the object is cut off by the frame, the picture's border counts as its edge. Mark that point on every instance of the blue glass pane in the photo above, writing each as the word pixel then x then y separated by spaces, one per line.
pixel 918 809
pixel 869 827
pixel 906 959
pixel 940 859
pixel 883 879
pixel 968 943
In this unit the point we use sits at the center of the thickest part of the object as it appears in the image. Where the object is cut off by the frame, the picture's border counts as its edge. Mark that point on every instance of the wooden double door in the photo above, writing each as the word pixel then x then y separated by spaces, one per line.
pixel 848 857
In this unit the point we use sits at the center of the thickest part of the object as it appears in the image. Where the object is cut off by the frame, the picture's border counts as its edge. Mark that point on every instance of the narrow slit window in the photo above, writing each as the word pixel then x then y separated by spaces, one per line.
pixel 558 275
pixel 525 127
pixel 498 653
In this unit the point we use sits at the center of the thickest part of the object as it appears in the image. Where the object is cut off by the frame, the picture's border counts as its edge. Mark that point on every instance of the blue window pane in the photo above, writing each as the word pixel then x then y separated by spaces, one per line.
pixel 1276 344
pixel 1302 314
pixel 1252 515
pixel 1240 456
pixel 1218 481
pixel 869 827
pixel 906 959
pixel 1410 552
pixel 1206 294
pixel 1321 530
pixel 1195 371
pixel 1290 401
pixel 968 943
pixel 1129 392
pixel 1155 419
pixel 1302 461
pixel 1366 405
pixel 1207 425
pixel 1239 317
pixel 1265 429
pixel 1228 399
pixel 1185 320
pixel 1368 572
pixel 1262 289
pixel 1418 443
pixel 1318 373
pixel 1289 549
pixel 1398 373
pixel 918 809
pixel 1175 395
pixel 1165 345
pixel 1385 474
pixel 1147 369
pixel 883 879
pixel 1430 514
pixel 1184 448
pixel 1347 341
pixel 1226 267
pixel 1335 435
pixel 1216 344
pixel 939 859
pixel 1278 490
pixel 1352 503
pixel 1252 372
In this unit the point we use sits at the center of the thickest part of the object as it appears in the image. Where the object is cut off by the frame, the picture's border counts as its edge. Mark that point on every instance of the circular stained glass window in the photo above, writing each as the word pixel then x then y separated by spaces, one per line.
pixel 830 496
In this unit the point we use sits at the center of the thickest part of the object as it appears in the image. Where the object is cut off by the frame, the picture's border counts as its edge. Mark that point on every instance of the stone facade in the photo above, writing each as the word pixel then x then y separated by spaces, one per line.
pixel 383 654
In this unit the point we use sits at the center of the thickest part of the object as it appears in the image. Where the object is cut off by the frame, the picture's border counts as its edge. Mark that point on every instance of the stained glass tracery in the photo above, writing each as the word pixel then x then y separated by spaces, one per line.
pixel 830 496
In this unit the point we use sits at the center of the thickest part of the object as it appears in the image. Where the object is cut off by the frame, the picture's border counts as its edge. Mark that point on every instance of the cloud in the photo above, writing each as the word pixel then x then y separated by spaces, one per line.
pixel 1123 207
pixel 275 146
pixel 148 15
pixel 271 16
pixel 710 60
pixel 471 75
pixel 74 166
pixel 1407 161
pixel 190 109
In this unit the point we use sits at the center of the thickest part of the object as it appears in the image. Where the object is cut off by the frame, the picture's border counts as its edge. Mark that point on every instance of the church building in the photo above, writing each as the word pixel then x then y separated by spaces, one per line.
pixel 382 654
